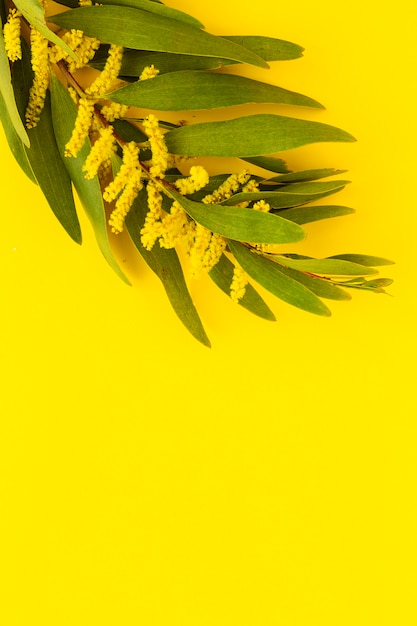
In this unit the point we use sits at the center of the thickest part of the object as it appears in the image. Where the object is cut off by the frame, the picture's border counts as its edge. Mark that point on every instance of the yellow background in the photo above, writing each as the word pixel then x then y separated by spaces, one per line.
pixel 147 480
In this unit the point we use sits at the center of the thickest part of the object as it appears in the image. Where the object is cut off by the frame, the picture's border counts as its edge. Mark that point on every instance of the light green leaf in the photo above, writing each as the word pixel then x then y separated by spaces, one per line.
pixel 159 9
pixel 16 145
pixel 254 135
pixel 43 153
pixel 270 275
pixel 306 176
pixel 269 48
pixel 222 275
pixel 268 163
pixel 320 286
pixel 167 267
pixel 34 13
pixel 241 224
pixel 6 91
pixel 305 215
pixel 331 267
pixel 64 113
pixel 141 30
pixel 363 259
pixel 196 90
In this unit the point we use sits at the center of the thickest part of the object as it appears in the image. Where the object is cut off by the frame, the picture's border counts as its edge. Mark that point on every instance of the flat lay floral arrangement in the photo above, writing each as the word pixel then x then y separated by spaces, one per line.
pixel 102 132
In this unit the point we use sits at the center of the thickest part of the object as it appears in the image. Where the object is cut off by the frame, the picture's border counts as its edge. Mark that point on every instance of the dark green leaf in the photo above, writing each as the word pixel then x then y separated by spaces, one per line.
pixel 363 259
pixel 160 9
pixel 270 275
pixel 64 113
pixel 331 267
pixel 43 154
pixel 222 276
pixel 306 176
pixel 167 267
pixel 305 215
pixel 141 30
pixel 254 135
pixel 196 90
pixel 268 48
pixel 15 143
pixel 241 224
pixel 268 163
pixel 320 286
pixel 10 115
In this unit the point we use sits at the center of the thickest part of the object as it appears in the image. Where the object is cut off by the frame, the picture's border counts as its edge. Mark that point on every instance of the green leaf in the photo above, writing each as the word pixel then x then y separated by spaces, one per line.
pixel 363 259
pixel 16 145
pixel 167 267
pixel 290 195
pixel 270 275
pixel 159 9
pixel 320 286
pixel 241 224
pixel 10 115
pixel 331 267
pixel 268 163
pixel 196 90
pixel 64 114
pixel 43 154
pixel 141 30
pixel 305 215
pixel 254 135
pixel 222 275
pixel 34 13
pixel 269 48
pixel 306 176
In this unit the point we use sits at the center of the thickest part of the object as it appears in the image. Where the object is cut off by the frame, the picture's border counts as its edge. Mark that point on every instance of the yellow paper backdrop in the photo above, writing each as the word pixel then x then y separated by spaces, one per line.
pixel 147 480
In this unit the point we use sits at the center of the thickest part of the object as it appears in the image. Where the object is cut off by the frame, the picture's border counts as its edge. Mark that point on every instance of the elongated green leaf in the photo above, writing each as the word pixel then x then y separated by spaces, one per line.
pixel 268 274
pixel 331 267
pixel 305 215
pixel 64 113
pixel 241 224
pixel 306 176
pixel 167 267
pixel 268 163
pixel 194 90
pixel 269 48
pixel 363 259
pixel 289 195
pixel 6 91
pixel 320 286
pixel 16 145
pixel 222 275
pixel 34 13
pixel 43 153
pixel 141 30
pixel 254 135
pixel 159 9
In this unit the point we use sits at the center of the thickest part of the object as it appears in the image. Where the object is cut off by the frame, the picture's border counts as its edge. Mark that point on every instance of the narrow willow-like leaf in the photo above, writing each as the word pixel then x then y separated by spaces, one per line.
pixel 34 13
pixel 241 224
pixel 305 215
pixel 268 274
pixel 306 176
pixel 254 135
pixel 268 163
pixel 196 90
pixel 269 48
pixel 363 259
pixel 141 30
pixel 16 145
pixel 7 93
pixel 289 196
pixel 330 267
pixel 64 113
pixel 318 285
pixel 222 276
pixel 167 267
pixel 43 153
pixel 159 9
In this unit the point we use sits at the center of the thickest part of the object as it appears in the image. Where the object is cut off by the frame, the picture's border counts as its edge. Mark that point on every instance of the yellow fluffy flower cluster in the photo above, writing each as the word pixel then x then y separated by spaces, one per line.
pixel 157 145
pixel 125 187
pixel 40 66
pixel 11 34
pixel 100 153
pixel 238 285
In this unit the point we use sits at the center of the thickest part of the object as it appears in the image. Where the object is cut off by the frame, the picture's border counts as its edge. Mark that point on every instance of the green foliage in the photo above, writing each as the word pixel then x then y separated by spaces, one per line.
pixel 249 217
